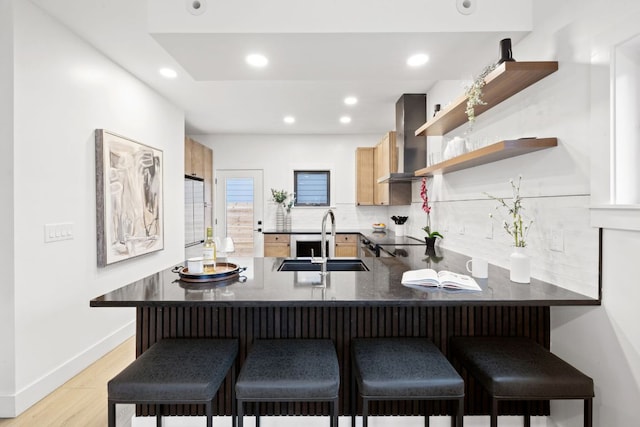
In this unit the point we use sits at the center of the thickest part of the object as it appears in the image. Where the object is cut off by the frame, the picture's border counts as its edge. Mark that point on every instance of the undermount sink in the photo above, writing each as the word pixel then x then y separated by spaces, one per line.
pixel 347 264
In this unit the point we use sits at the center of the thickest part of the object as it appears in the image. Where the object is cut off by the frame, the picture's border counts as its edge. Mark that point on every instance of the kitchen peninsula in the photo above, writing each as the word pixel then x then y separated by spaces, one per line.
pixel 266 303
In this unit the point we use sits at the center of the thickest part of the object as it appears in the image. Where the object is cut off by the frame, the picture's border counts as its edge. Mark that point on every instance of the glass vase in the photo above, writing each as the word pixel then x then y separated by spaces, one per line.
pixel 287 221
pixel 520 266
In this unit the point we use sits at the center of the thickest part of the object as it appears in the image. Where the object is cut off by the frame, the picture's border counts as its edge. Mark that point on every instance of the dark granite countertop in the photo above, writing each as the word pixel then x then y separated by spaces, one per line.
pixel 265 286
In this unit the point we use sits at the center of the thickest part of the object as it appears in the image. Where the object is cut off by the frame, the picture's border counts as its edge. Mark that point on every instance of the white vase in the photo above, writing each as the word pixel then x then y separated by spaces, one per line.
pixel 520 266
pixel 399 230
pixel 279 218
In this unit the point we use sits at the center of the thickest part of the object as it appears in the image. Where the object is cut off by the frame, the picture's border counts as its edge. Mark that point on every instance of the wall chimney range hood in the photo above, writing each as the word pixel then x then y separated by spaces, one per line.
pixel 411 113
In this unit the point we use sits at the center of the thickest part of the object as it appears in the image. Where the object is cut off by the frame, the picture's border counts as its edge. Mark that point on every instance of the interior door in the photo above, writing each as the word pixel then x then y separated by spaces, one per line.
pixel 238 212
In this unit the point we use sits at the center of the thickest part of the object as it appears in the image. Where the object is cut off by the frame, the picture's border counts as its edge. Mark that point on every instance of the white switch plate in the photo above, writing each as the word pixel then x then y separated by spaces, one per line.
pixel 488 231
pixel 57 232
pixel 461 229
pixel 557 240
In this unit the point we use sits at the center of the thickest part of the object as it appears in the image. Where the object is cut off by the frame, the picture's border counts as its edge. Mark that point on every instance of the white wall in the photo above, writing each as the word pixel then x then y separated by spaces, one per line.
pixel 572 104
pixel 7 320
pixel 279 155
pixel 64 89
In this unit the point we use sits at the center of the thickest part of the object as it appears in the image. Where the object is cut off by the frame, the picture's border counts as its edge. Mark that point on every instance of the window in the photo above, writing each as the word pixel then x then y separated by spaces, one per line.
pixel 311 188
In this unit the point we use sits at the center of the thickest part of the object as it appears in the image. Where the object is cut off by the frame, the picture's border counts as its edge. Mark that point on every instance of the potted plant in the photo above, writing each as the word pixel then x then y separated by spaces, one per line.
pixel 280 196
pixel 432 235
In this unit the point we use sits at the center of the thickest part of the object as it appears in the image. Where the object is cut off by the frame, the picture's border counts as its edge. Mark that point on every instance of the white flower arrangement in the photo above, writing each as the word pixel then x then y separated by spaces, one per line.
pixel 516 227
pixel 474 93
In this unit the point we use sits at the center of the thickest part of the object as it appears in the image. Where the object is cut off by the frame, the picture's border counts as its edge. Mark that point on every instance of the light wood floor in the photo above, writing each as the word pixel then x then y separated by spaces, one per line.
pixel 81 401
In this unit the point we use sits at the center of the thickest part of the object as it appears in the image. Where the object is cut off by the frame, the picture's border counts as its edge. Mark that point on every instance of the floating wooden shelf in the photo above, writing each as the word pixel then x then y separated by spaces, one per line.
pixel 491 153
pixel 505 81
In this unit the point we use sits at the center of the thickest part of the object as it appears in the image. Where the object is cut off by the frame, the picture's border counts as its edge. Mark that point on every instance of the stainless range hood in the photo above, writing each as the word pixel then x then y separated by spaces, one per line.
pixel 411 113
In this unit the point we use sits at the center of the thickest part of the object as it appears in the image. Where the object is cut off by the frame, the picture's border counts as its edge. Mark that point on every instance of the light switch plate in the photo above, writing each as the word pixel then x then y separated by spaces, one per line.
pixel 57 232
pixel 557 240
pixel 488 231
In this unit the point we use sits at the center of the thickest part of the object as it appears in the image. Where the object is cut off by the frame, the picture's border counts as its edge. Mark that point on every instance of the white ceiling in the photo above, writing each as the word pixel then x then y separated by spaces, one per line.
pixel 315 59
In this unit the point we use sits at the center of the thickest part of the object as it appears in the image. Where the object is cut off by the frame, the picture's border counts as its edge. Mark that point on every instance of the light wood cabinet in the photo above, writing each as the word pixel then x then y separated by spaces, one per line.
pixel 377 162
pixel 386 162
pixel 277 245
pixel 364 176
pixel 194 158
pixel 198 163
pixel 346 245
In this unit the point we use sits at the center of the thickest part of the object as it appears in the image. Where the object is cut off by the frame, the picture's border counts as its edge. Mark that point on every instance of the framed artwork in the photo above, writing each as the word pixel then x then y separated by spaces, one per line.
pixel 129 205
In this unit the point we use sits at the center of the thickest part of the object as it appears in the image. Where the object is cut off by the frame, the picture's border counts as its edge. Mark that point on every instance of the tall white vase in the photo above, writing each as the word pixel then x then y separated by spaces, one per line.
pixel 279 218
pixel 520 266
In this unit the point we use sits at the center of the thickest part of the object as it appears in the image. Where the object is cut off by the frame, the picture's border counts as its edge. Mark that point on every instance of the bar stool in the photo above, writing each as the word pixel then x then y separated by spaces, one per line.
pixel 515 368
pixel 289 370
pixel 175 371
pixel 403 369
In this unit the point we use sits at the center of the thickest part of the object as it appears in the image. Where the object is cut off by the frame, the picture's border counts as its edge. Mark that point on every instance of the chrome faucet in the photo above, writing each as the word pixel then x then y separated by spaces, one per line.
pixel 323 239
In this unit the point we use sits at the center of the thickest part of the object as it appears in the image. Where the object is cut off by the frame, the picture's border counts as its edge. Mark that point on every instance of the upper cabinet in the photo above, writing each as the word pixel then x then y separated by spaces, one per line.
pixel 375 162
pixel 198 163
pixel 505 81
pixel 386 156
pixel 364 176
pixel 194 158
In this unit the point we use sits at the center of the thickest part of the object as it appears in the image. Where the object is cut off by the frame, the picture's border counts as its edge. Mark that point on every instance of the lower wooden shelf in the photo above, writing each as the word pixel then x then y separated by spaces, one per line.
pixel 491 153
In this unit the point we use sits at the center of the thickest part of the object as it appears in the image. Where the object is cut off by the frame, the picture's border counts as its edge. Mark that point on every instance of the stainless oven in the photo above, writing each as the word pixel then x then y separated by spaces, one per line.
pixel 308 245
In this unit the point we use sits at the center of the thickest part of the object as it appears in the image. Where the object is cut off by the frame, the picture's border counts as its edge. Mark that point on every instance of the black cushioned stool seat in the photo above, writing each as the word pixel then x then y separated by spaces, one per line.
pixel 514 368
pixel 403 369
pixel 175 371
pixel 289 370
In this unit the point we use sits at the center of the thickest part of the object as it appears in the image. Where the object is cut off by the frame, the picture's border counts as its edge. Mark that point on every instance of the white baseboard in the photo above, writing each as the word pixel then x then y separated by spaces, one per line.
pixel 13 405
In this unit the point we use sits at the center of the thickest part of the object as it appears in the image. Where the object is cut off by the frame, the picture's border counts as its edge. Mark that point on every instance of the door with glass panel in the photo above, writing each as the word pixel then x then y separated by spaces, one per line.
pixel 238 213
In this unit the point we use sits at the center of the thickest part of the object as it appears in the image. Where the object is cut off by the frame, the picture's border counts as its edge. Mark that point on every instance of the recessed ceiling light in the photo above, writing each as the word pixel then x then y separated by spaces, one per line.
pixel 168 73
pixel 257 60
pixel 351 100
pixel 345 119
pixel 289 119
pixel 417 60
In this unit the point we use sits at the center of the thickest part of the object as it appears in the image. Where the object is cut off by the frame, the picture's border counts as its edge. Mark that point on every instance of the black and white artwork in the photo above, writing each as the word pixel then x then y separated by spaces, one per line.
pixel 128 198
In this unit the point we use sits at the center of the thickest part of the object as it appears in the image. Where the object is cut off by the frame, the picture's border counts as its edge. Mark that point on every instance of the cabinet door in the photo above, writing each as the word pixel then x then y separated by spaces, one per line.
pixel 197 159
pixel 188 143
pixel 346 245
pixel 277 245
pixel 364 176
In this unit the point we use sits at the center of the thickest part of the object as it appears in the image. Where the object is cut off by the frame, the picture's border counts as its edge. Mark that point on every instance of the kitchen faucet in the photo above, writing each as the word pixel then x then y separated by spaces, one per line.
pixel 323 240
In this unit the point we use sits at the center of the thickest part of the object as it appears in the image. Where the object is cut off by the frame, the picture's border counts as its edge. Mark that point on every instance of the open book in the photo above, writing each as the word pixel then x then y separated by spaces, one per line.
pixel 442 279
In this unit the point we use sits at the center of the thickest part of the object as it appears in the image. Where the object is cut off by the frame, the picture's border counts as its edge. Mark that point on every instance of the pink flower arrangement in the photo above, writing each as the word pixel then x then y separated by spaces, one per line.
pixel 425 198
pixel 427 209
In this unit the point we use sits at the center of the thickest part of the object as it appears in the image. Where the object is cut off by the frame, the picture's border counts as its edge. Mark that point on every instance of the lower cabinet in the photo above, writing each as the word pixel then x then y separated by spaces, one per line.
pixel 346 245
pixel 277 245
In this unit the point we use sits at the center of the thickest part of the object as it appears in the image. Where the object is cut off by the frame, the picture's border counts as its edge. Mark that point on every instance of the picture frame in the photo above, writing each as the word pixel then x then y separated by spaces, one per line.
pixel 129 198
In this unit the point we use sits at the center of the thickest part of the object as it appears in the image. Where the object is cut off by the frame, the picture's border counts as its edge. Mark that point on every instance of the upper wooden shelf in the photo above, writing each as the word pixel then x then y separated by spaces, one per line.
pixel 505 81
pixel 491 153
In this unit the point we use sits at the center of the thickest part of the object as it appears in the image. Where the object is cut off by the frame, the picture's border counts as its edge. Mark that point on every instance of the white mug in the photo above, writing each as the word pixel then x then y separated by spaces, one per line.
pixel 479 267
pixel 195 265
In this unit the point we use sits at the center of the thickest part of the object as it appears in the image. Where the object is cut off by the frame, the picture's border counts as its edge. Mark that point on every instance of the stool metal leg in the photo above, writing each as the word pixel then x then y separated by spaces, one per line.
pixel 365 412
pixel 494 412
pixel 239 410
pixel 460 414
pixel 354 401
pixel 112 414
pixel 158 416
pixel 426 421
pixel 208 410
pixel 588 412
